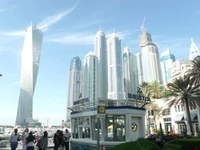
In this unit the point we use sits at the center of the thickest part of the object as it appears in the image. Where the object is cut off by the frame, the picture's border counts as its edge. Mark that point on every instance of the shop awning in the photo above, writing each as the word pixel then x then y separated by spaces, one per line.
pixel 179 118
pixel 192 116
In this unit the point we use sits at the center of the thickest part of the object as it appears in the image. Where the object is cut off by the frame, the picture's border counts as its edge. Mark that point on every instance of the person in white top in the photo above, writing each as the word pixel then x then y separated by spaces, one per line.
pixel 67 137
pixel 24 136
pixel 14 138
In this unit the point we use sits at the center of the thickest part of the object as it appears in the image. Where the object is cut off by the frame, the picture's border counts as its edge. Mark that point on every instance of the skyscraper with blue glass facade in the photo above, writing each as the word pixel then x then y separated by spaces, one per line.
pixel 74 83
pixel 166 61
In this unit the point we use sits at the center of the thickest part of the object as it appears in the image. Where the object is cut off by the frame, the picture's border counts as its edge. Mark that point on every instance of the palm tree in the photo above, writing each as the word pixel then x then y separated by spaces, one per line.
pixel 195 71
pixel 156 89
pixel 145 87
pixel 185 92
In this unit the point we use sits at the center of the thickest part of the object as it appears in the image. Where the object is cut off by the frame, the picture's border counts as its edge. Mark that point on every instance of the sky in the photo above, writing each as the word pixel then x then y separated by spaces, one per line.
pixel 69 28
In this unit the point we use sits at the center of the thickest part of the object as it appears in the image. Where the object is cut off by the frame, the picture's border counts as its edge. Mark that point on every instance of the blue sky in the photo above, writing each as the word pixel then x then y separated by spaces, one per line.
pixel 69 29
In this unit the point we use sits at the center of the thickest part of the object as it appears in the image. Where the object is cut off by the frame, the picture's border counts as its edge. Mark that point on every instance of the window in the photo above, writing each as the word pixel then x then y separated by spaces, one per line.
pixel 115 128
pixel 175 108
pixel 178 108
pixel 75 128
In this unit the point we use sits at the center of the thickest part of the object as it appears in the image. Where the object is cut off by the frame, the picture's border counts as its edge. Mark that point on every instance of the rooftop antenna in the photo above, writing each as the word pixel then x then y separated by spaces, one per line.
pixel 113 30
pixel 100 28
pixel 142 27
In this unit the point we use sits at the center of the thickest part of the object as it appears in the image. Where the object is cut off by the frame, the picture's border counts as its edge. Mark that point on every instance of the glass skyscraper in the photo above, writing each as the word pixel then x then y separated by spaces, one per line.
pixel 150 59
pixel 90 69
pixel 74 83
pixel 166 61
pixel 100 49
pixel 130 72
pixel 115 71
pixel 29 70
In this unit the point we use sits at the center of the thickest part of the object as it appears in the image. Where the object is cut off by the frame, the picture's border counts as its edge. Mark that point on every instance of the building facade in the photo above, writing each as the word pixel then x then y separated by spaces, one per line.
pixel 150 59
pixel 29 71
pixel 74 83
pixel 166 60
pixel 194 51
pixel 179 68
pixel 115 71
pixel 90 70
pixel 100 49
pixel 130 72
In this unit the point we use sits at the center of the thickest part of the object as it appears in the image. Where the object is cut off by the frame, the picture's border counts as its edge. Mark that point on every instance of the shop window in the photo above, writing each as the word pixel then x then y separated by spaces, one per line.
pixel 75 128
pixel 115 128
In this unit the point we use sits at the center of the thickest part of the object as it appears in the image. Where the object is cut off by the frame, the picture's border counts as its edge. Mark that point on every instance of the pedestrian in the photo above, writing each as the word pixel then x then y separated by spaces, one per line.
pixel 24 136
pixel 55 140
pixel 67 137
pixel 61 140
pixel 30 140
pixel 14 138
pixel 43 141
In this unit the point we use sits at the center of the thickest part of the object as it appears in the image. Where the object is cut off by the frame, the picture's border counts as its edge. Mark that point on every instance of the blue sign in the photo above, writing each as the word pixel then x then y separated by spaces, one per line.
pixel 139 97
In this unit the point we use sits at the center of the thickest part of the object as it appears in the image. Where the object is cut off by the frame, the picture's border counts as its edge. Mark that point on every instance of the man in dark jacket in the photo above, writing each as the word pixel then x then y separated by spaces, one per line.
pixel 55 140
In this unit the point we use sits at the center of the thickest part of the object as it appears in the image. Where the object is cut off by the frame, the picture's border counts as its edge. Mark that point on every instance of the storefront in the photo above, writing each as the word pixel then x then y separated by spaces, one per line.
pixel 120 124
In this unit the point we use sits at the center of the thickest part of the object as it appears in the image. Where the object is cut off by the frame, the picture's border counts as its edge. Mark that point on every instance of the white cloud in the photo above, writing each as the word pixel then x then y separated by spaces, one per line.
pixel 72 38
pixel 4 9
pixel 81 37
pixel 17 33
pixel 50 20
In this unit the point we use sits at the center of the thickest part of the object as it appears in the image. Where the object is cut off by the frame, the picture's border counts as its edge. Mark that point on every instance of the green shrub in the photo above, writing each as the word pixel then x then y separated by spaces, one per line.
pixel 140 144
pixel 183 144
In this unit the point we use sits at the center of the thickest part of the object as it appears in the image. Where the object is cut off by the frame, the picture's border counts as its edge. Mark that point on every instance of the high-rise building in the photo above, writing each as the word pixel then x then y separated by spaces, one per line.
pixel 115 71
pixel 150 59
pixel 90 69
pixel 180 68
pixel 100 49
pixel 74 83
pixel 194 51
pixel 139 68
pixel 166 60
pixel 130 72
pixel 29 70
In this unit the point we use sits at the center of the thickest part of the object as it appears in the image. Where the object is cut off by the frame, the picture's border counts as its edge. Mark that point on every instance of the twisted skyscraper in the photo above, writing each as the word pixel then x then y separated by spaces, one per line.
pixel 29 70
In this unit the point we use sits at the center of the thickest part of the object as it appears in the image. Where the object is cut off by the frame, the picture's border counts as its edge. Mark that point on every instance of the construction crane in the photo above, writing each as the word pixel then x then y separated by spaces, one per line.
pixel 142 26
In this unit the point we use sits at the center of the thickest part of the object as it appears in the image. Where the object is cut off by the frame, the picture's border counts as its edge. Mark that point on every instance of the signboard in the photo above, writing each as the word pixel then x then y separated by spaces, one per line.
pixel 101 109
pixel 81 101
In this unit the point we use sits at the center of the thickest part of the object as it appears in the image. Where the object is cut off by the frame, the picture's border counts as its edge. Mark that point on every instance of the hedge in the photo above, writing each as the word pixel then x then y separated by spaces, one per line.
pixel 140 144
pixel 183 144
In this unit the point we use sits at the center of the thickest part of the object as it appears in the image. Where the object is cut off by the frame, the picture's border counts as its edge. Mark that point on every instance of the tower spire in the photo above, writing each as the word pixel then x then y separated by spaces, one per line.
pixel 142 26
pixel 113 30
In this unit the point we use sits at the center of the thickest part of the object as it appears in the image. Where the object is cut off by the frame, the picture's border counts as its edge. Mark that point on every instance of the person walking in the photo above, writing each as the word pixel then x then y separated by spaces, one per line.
pixel 61 141
pixel 14 138
pixel 24 136
pixel 67 136
pixel 55 140
pixel 43 141
pixel 30 140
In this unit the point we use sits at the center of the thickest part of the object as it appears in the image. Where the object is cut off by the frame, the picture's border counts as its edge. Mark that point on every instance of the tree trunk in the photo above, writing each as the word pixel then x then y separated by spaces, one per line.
pixel 188 115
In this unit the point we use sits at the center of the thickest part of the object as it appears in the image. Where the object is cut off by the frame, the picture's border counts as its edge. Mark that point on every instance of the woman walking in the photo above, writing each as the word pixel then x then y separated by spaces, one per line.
pixel 30 140
pixel 43 141
pixel 14 138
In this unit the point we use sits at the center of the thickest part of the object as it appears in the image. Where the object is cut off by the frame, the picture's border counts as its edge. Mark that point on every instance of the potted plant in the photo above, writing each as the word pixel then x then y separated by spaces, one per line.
pixel 156 133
